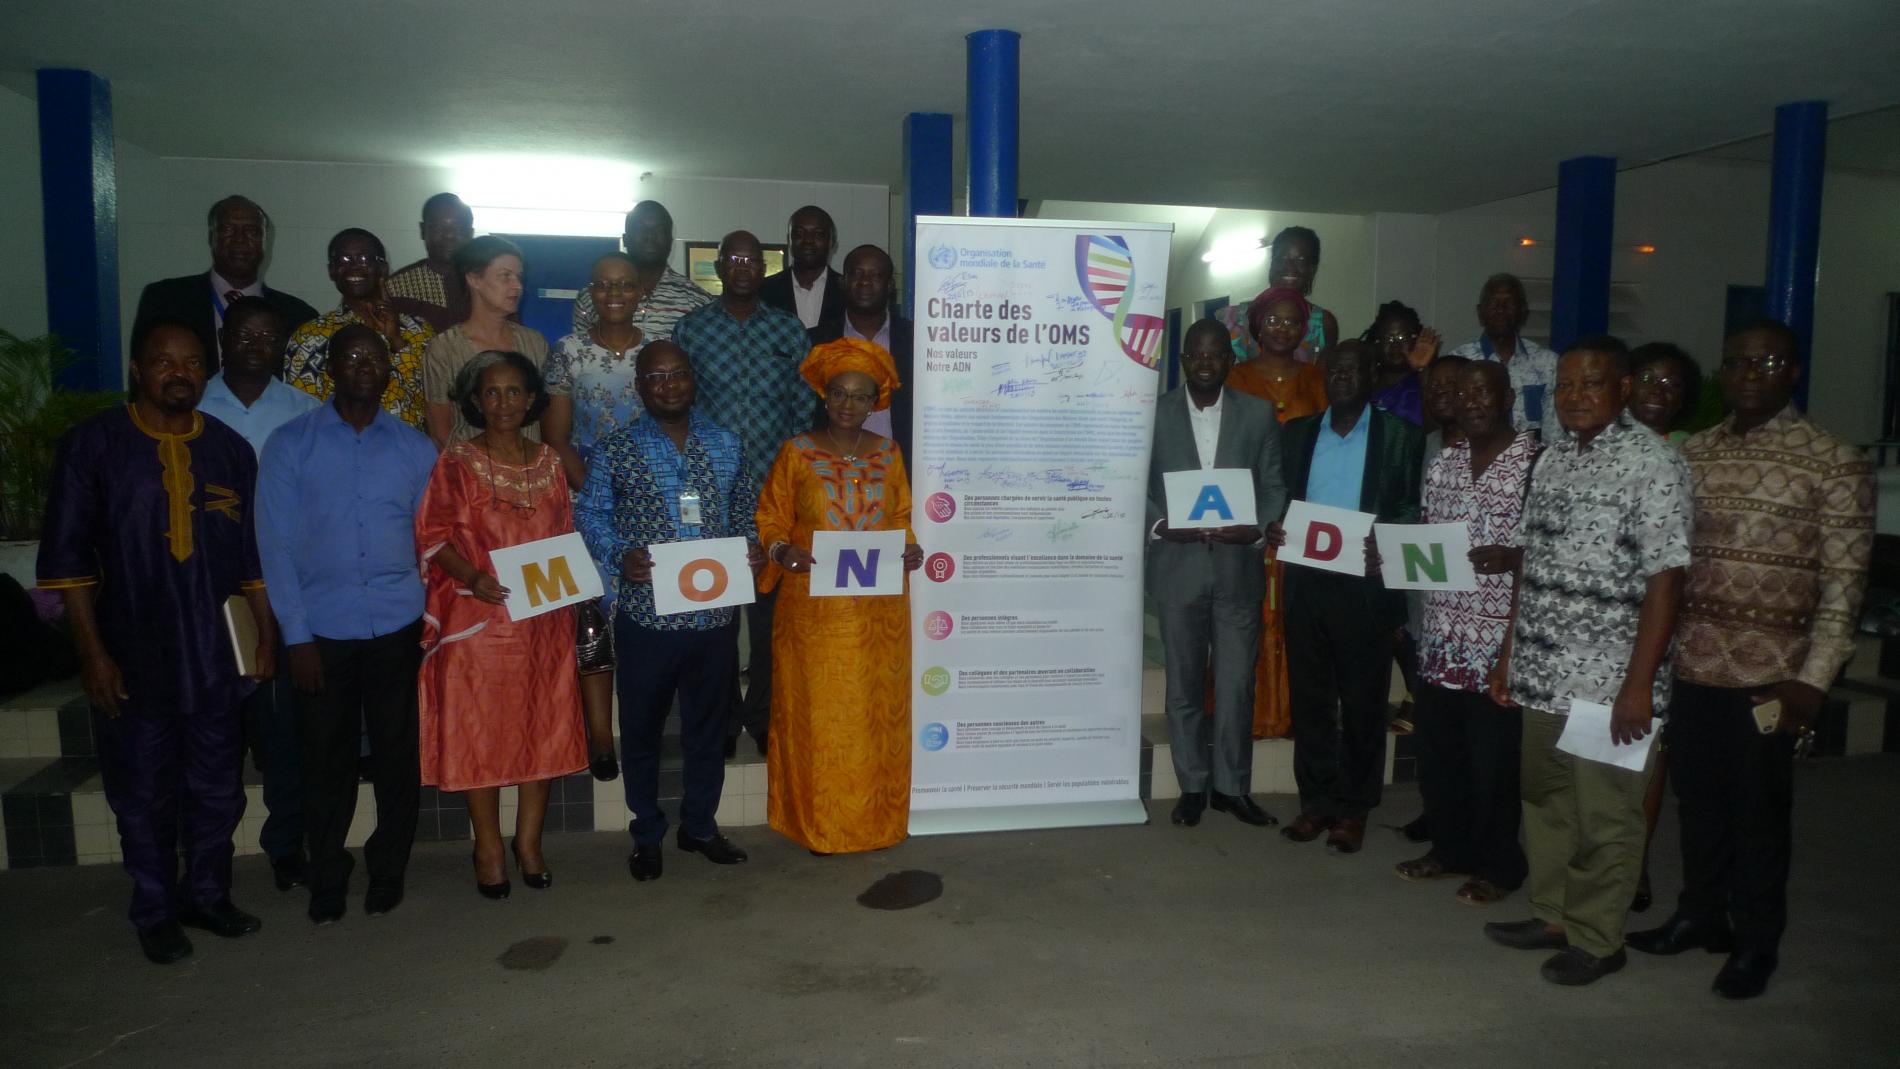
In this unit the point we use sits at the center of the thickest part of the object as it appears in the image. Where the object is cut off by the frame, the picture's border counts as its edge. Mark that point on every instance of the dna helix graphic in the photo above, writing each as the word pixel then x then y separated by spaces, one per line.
pixel 1106 271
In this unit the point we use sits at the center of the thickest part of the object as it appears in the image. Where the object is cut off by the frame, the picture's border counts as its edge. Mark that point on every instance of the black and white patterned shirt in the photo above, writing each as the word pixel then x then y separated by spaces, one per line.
pixel 1598 523
pixel 672 298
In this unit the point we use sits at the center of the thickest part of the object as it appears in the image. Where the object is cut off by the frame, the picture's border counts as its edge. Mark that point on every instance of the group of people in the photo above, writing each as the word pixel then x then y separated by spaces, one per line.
pixel 284 545
pixel 343 478
pixel 1705 586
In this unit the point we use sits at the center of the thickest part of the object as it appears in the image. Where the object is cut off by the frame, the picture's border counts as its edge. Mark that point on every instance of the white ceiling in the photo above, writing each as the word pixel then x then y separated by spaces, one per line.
pixel 1320 105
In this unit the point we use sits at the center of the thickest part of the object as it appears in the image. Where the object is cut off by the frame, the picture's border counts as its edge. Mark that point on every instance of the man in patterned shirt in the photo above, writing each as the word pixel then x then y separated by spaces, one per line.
pixel 1503 310
pixel 664 295
pixel 746 355
pixel 1468 747
pixel 1784 528
pixel 1606 544
pixel 358 268
pixel 670 476
pixel 433 282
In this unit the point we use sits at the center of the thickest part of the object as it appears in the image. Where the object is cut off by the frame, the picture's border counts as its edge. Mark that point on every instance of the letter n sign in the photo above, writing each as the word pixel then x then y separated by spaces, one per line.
pixel 862 567
pixel 1416 561
pixel 851 564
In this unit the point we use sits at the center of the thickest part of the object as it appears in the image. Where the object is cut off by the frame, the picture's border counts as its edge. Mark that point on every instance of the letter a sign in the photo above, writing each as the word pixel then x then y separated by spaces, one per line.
pixel 1212 497
pixel 855 563
pixel 546 575
pixel 707 573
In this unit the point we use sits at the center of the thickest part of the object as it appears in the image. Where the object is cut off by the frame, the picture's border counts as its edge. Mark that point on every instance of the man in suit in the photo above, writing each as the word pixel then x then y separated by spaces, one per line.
pixel 868 273
pixel 1340 628
pixel 1207 583
pixel 239 233
pixel 808 287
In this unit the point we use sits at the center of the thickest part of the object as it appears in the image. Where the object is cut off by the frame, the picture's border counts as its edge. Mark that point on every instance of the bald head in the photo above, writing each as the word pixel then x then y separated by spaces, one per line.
pixel 740 267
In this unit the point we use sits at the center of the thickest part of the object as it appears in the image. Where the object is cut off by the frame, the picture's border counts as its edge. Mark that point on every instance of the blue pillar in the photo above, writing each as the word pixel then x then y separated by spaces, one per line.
pixel 994 99
pixel 926 185
pixel 1794 223
pixel 79 198
pixel 1580 278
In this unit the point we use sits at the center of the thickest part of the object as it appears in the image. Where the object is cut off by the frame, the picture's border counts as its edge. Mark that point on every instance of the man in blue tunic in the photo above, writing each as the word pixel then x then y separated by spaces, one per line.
pixel 148 531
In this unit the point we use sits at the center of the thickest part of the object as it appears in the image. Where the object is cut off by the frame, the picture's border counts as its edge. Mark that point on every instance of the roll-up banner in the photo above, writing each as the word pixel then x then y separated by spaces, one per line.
pixel 1037 353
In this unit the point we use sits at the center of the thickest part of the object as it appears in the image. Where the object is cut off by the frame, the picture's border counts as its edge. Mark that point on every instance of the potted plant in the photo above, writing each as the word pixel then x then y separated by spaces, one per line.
pixel 34 414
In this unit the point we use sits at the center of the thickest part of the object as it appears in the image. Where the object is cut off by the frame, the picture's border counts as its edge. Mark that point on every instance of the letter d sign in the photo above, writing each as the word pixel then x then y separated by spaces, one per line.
pixel 714 573
pixel 1322 541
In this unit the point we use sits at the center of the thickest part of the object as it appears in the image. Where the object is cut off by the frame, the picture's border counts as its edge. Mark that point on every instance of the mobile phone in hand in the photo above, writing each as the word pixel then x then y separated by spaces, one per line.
pixel 1768 716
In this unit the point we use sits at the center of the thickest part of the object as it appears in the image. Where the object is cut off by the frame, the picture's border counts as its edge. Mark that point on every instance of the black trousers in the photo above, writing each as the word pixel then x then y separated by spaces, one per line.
pixel 367 684
pixel 1468 753
pixel 1339 669
pixel 698 666
pixel 1735 787
pixel 753 712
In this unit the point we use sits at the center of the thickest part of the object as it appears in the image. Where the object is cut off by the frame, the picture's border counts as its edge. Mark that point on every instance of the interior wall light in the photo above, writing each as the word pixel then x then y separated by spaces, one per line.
pixel 1235 253
pixel 533 194
pixel 1644 249
pixel 1525 243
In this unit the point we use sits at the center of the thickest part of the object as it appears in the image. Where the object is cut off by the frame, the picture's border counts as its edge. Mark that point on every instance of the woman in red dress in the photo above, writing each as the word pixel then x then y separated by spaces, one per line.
pixel 499 699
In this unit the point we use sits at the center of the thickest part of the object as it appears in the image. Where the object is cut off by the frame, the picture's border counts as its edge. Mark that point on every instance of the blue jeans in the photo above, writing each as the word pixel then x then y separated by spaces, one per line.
pixel 700 667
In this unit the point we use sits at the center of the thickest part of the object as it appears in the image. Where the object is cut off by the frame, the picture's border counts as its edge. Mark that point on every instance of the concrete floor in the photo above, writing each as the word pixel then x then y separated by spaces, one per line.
pixel 1217 946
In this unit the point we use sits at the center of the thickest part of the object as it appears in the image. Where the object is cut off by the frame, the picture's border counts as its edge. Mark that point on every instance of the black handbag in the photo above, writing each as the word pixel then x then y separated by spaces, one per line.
pixel 593 639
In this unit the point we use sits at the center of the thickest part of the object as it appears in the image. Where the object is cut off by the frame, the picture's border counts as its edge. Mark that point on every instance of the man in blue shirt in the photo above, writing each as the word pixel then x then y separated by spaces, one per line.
pixel 337 496
pixel 1340 628
pixel 249 397
pixel 670 476
pixel 746 355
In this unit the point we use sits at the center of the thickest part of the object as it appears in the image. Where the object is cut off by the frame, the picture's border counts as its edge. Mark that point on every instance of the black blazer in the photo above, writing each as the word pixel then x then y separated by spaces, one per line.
pixel 902 414
pixel 1395 451
pixel 189 298
pixel 776 291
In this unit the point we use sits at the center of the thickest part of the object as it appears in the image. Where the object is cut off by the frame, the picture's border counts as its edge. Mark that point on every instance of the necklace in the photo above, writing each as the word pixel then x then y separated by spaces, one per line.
pixel 526 503
pixel 850 457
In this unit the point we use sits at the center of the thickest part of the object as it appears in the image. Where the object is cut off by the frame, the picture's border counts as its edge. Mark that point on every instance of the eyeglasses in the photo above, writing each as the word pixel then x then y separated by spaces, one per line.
pixel 360 260
pixel 1770 364
pixel 615 286
pixel 351 359
pixel 269 338
pixel 661 378
pixel 1400 337
pixel 1657 378
pixel 1271 320
pixel 740 261
pixel 839 397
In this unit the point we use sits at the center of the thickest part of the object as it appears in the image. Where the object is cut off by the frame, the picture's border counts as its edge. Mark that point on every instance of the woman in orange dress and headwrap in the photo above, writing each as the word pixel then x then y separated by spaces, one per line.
pixel 500 699
pixel 838 760
pixel 1277 319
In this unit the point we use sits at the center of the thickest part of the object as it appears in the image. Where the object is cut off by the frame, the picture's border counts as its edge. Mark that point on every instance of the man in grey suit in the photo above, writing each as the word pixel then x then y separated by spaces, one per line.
pixel 1207 584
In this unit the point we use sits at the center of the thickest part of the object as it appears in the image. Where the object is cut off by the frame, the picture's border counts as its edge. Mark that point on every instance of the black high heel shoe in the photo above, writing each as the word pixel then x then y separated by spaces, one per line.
pixel 540 881
pixel 605 766
pixel 492 891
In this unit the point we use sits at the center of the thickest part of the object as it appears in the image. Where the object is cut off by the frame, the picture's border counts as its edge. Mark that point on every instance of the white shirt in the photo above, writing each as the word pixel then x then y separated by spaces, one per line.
pixel 878 422
pixel 810 299
pixel 1205 423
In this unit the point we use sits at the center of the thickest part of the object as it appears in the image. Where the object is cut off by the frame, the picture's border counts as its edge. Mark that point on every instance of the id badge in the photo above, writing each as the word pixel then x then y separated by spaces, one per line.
pixel 689 509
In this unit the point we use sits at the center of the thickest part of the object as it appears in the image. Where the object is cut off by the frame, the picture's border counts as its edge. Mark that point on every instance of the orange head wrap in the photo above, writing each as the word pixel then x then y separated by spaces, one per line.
pixel 828 361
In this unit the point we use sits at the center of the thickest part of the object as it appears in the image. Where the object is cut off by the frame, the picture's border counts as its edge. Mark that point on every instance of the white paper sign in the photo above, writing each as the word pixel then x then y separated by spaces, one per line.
pixel 1207 498
pixel 1425 556
pixel 706 573
pixel 1321 536
pixel 1587 735
pixel 546 575
pixel 853 563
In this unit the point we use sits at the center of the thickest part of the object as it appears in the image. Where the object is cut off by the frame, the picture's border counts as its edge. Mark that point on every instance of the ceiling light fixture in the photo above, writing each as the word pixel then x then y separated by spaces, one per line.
pixel 1525 243
pixel 521 193
pixel 1235 252
pixel 1644 249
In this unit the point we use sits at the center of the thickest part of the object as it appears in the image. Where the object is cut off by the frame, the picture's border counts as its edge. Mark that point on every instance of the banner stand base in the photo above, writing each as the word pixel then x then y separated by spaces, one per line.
pixel 1028 817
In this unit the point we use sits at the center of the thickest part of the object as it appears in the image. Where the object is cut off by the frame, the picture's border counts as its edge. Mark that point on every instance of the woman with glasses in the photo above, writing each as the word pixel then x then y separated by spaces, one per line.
pixel 593 392
pixel 590 374
pixel 492 269
pixel 498 700
pixel 838 758
pixel 1405 346
pixel 1277 319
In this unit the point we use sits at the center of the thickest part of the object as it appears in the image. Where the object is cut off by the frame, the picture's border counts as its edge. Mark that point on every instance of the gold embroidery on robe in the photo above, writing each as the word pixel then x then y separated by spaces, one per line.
pixel 175 460
pixel 220 500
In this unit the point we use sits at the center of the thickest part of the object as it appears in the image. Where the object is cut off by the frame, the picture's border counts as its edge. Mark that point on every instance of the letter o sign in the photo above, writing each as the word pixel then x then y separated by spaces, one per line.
pixel 692 588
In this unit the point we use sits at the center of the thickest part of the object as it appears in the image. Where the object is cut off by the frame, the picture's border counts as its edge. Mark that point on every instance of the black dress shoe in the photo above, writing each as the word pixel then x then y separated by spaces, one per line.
pixel 540 881
pixel 221 918
pixel 1745 974
pixel 288 871
pixel 1679 933
pixel 1187 811
pixel 605 767
pixel 718 849
pixel 383 896
pixel 328 909
pixel 164 943
pixel 1241 806
pixel 1532 934
pixel 644 863
pixel 1575 967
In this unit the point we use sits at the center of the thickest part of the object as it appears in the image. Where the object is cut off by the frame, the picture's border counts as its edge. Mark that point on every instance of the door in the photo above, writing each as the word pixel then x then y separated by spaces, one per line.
pixel 557 268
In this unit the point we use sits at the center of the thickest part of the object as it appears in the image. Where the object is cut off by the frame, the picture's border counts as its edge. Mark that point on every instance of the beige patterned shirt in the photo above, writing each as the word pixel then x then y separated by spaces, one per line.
pixel 1784 527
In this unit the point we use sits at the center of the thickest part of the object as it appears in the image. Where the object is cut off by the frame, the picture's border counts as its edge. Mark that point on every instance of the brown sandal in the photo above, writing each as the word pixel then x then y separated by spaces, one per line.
pixel 1478 891
pixel 1422 869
